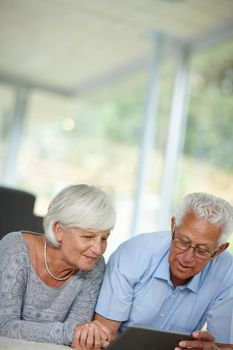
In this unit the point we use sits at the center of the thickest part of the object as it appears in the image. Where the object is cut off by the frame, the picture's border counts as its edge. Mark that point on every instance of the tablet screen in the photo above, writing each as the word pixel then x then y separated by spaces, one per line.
pixel 147 339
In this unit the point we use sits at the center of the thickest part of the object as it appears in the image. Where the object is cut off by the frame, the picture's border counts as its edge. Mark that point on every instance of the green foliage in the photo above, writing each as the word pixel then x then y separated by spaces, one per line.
pixel 210 119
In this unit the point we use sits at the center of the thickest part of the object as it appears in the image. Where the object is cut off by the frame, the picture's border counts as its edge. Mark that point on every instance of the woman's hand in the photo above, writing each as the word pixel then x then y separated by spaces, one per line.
pixel 202 340
pixel 91 336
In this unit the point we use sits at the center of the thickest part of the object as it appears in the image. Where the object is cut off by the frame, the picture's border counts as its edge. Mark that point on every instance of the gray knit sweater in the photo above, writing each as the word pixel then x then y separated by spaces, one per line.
pixel 32 310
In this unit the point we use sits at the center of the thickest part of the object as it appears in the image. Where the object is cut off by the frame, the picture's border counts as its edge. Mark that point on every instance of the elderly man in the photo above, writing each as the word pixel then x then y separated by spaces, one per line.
pixel 176 282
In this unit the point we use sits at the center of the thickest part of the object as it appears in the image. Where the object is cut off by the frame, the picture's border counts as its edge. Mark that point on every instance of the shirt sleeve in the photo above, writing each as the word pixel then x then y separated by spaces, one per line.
pixel 220 318
pixel 13 283
pixel 117 290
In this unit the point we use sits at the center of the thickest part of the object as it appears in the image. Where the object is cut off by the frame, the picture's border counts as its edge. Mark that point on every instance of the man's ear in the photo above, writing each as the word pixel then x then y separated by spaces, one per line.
pixel 57 230
pixel 221 249
pixel 173 223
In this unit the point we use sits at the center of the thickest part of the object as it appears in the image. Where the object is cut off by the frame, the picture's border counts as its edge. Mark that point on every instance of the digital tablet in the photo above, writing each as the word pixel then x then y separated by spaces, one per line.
pixel 135 338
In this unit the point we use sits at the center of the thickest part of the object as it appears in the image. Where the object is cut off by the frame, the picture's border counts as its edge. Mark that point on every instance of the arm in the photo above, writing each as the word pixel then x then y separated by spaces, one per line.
pixel 13 284
pixel 60 323
pixel 114 303
pixel 220 319
pixel 113 326
pixel 219 323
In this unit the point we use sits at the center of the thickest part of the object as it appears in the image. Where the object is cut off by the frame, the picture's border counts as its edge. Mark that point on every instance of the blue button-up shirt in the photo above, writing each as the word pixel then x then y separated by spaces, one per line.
pixel 138 291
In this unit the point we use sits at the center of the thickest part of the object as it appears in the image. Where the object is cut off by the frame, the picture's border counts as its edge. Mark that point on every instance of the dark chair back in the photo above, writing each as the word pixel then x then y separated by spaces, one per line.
pixel 16 211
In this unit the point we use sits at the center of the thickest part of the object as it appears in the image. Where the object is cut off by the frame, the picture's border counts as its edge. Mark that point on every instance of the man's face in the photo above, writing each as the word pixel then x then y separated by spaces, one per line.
pixel 184 264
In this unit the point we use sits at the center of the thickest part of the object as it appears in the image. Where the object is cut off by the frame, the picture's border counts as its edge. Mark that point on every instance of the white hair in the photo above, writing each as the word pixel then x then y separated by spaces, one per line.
pixel 83 206
pixel 215 210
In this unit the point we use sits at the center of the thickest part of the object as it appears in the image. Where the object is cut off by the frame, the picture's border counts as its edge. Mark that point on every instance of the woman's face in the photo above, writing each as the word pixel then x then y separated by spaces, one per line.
pixel 81 248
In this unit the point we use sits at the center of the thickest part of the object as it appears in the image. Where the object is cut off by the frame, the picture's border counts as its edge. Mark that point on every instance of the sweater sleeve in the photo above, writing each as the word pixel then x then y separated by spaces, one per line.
pixel 13 285
pixel 83 307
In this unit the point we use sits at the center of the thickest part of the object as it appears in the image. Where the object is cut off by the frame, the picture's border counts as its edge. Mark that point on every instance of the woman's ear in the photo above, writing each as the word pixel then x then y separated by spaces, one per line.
pixel 57 228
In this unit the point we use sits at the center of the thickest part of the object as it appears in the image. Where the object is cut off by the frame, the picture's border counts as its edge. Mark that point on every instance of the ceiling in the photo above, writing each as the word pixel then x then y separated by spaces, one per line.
pixel 73 46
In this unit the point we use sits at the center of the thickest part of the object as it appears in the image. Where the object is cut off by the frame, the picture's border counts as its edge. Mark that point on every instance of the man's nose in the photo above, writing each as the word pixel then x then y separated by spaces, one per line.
pixel 189 254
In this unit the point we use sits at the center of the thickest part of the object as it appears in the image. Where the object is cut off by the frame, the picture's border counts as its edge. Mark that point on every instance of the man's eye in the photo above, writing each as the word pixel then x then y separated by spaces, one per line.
pixel 200 251
pixel 186 243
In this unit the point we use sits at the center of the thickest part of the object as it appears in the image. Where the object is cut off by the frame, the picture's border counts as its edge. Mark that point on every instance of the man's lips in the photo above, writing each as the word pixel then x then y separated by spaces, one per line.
pixel 183 267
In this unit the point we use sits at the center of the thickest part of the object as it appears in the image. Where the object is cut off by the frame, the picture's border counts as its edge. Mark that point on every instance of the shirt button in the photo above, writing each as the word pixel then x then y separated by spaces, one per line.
pixel 161 315
pixel 173 296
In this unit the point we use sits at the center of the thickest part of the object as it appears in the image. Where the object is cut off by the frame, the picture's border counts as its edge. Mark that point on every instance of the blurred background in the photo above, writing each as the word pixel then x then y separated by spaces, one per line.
pixel 134 96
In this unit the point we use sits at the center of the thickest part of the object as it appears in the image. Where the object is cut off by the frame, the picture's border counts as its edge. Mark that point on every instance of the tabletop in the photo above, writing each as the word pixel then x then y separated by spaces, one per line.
pixel 20 344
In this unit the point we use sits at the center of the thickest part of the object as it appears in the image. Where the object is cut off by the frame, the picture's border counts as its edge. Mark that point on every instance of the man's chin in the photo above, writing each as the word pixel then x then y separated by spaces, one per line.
pixel 182 273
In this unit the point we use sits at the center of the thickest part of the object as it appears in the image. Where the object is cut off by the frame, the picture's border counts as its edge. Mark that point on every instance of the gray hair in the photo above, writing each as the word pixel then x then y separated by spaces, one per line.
pixel 84 206
pixel 215 210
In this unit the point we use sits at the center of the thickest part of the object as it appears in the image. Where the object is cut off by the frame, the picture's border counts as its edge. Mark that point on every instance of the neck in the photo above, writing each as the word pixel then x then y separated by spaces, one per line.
pixel 177 281
pixel 48 269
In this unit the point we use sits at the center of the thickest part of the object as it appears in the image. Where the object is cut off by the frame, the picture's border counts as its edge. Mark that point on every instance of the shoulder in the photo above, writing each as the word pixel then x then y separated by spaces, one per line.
pixel 14 240
pixel 223 262
pixel 148 243
pixel 220 270
pixel 141 254
pixel 13 245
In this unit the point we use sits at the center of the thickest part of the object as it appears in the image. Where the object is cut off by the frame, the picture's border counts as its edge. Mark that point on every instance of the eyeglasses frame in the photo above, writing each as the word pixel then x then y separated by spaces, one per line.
pixel 194 248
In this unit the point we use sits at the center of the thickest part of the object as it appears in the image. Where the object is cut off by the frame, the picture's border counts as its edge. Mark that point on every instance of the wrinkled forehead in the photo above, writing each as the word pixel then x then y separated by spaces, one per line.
pixel 198 229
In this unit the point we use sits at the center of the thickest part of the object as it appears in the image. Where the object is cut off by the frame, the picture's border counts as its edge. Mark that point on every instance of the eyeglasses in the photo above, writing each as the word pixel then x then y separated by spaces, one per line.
pixel 183 244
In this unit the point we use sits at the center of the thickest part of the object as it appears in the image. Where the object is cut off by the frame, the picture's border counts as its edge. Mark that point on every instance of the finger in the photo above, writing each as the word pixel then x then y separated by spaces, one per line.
pixel 76 347
pixel 196 344
pixel 203 335
pixel 83 335
pixel 102 326
pixel 76 338
pixel 77 333
pixel 98 341
pixel 90 338
pixel 188 348
pixel 105 343
pixel 193 344
pixel 105 331
pixel 177 348
pixel 103 334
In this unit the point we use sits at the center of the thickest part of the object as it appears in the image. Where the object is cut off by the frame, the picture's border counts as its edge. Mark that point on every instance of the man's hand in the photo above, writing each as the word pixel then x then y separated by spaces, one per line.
pixel 91 336
pixel 202 340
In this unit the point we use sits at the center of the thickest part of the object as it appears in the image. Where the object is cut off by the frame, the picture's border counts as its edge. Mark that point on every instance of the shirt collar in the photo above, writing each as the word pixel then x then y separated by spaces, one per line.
pixel 163 272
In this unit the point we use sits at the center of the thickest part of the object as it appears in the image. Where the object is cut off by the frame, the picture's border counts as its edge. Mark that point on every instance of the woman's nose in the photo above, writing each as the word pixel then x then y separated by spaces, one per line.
pixel 98 246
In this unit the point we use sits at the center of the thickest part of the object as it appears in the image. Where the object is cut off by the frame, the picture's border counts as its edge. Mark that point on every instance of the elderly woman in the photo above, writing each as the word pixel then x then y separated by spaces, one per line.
pixel 49 282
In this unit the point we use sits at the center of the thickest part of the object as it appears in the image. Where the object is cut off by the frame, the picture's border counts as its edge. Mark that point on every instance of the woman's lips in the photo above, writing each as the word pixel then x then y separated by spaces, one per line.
pixel 90 258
